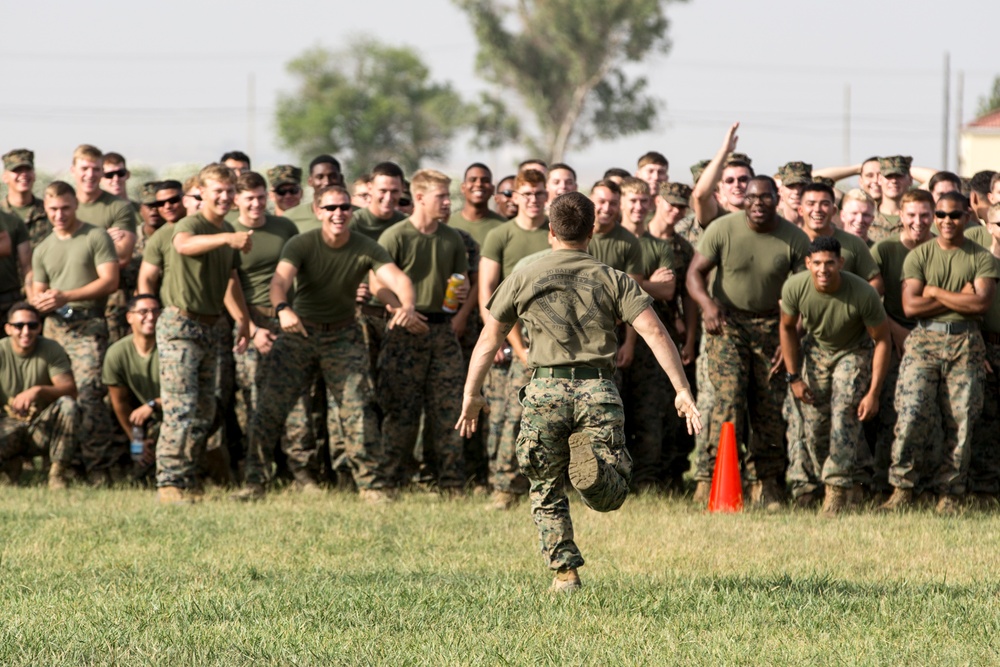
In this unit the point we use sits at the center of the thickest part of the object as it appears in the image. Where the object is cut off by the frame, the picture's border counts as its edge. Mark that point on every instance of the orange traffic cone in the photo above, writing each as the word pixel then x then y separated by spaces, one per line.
pixel 727 487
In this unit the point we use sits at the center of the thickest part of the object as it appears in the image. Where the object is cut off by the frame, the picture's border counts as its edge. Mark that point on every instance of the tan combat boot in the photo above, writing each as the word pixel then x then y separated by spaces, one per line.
pixel 375 496
pixel 501 501
pixel 702 492
pixel 171 495
pixel 57 476
pixel 249 492
pixel 806 501
pixel 583 467
pixel 900 499
pixel 767 495
pixel 566 581
pixel 947 505
pixel 835 500
pixel 306 483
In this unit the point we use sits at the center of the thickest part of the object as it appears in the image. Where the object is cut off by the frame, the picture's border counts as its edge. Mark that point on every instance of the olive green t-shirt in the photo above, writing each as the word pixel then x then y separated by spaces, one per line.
pixel 108 211
pixel 508 244
pixel 34 218
pixel 619 249
pixel 198 283
pixel 890 254
pixel 836 321
pixel 37 369
pixel 428 259
pixel 656 254
pixel 10 276
pixel 304 217
pixel 950 270
pixel 857 257
pixel 991 320
pixel 569 303
pixel 257 266
pixel 125 367
pixel 980 234
pixel 752 266
pixel 329 277
pixel 365 222
pixel 159 245
pixel 66 264
pixel 479 229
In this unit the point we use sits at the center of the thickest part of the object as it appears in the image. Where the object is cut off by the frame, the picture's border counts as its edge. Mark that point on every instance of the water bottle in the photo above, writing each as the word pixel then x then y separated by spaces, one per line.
pixel 138 445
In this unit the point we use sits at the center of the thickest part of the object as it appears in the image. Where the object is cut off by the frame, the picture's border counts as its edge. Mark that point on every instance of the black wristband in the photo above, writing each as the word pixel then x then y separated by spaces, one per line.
pixel 280 307
pixel 792 377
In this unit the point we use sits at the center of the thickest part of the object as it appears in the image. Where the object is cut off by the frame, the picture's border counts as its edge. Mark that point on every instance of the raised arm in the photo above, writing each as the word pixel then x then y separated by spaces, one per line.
pixel 706 206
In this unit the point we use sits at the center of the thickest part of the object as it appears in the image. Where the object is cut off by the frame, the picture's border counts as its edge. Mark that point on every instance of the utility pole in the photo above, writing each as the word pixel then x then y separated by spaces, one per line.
pixel 847 123
pixel 959 115
pixel 946 126
pixel 251 115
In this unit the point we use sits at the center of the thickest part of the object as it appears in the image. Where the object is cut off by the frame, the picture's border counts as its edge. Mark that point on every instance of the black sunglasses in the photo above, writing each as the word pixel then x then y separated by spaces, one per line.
pixel 32 326
pixel 403 201
pixel 284 192
pixel 120 173
pixel 507 193
pixel 954 215
pixel 194 197
pixel 336 207
pixel 173 201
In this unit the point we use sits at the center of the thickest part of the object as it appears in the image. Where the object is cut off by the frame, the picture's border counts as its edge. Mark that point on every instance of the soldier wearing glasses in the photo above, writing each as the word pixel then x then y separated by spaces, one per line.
pixel 286 188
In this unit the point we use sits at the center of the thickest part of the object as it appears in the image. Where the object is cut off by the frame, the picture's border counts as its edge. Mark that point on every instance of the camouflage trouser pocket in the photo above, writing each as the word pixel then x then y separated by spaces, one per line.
pixel 535 462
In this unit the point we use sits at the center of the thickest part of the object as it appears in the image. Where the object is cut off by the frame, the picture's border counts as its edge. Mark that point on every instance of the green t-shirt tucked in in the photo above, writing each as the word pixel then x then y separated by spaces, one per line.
pixel 950 270
pixel 569 303
pixel 108 211
pixel 890 254
pixel 857 257
pixel 752 266
pixel 10 276
pixel 656 254
pixel 329 277
pixel 508 244
pixel 257 266
pixel 125 367
pixel 66 264
pixel 198 283
pixel 619 249
pixel 479 229
pixel 37 369
pixel 365 222
pixel 836 321
pixel 428 259
pixel 304 217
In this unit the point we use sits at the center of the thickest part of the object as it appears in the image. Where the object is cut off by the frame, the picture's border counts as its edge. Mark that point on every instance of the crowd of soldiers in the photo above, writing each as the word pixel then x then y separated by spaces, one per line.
pixel 229 329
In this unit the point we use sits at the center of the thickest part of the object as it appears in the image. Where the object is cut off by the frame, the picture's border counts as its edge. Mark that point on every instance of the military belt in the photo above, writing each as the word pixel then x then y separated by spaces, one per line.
pixel 262 311
pixel 198 317
pixel 330 326
pixel 573 373
pixel 964 326
pixel 70 314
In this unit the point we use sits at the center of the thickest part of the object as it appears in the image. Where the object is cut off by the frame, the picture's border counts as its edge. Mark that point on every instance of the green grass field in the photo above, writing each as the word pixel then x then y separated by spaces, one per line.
pixel 108 578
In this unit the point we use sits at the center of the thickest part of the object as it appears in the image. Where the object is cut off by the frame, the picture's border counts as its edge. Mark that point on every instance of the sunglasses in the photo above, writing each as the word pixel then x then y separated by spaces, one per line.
pixel 954 215
pixel 742 180
pixel 120 173
pixel 336 207
pixel 32 326
pixel 284 192
pixel 143 312
pixel 173 201
pixel 506 193
pixel 403 201
pixel 194 197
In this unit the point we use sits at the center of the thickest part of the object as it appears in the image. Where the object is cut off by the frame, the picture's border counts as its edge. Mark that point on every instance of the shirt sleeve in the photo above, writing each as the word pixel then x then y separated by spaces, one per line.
pixel 632 301
pixel 864 262
pixel 112 373
pixel 502 304
pixel 103 247
pixel 125 217
pixel 790 298
pixel 58 360
pixel 872 311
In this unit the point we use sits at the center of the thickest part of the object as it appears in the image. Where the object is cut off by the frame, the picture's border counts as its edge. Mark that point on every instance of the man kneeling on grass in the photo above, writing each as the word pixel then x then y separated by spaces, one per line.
pixel 572 420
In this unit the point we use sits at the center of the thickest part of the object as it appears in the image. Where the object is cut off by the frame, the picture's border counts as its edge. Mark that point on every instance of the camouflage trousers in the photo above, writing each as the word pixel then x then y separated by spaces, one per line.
pixel 188 377
pixel 939 371
pixel 422 373
pixel 553 410
pixel 739 366
pixel 297 440
pixel 114 315
pixel 375 327
pixel 502 387
pixel 826 439
pixel 86 342
pixel 51 432
pixel 644 395
pixel 984 468
pixel 285 380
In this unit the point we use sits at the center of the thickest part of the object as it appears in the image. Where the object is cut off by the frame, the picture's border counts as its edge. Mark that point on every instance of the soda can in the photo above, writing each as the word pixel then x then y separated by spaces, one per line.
pixel 450 304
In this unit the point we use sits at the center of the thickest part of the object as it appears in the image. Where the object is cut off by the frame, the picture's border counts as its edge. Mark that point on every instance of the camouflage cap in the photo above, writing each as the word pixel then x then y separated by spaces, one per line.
pixel 698 168
pixel 19 157
pixel 284 174
pixel 796 173
pixel 678 194
pixel 828 182
pixel 148 194
pixel 739 158
pixel 896 165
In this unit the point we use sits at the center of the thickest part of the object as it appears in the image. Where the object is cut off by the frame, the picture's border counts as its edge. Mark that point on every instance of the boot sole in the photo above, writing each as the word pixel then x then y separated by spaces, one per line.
pixel 583 467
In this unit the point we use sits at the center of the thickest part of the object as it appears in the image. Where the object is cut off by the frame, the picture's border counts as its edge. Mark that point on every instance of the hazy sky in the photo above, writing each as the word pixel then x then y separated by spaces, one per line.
pixel 167 83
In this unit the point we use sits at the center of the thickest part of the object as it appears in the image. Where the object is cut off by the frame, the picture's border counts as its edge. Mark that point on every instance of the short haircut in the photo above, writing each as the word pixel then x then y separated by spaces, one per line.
pixel 958 198
pixel 506 178
pixel 607 183
pixel 23 305
pixel 239 156
pixel 857 194
pixel 652 157
pixel 824 244
pixel 521 166
pixel 130 306
pixel 922 196
pixel 571 217
pixel 981 181
pixel 250 180
pixel 945 176
pixel 993 181
pixel 59 189
pixel 390 169
pixel 617 172
pixel 363 179
pixel 742 165
pixel 874 158
pixel 564 166
pixel 87 152
pixel 529 177
pixel 476 165
pixel 114 158
pixel 216 172
pixel 426 179
pixel 634 186
pixel 819 187
pixel 324 159
pixel 191 182
pixel 169 185
pixel 339 189
pixel 764 178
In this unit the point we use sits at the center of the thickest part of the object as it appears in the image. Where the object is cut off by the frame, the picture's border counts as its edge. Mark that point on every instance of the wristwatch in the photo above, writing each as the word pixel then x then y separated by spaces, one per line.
pixel 152 404
pixel 280 307
pixel 792 377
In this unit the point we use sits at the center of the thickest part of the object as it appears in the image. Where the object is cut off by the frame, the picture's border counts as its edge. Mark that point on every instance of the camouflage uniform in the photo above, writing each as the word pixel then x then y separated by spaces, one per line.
pixel 984 467
pixel 51 433
pixel 35 218
pixel 885 225
pixel 502 386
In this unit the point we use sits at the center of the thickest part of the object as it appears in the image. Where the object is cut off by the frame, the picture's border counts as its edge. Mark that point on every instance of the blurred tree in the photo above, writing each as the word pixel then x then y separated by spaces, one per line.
pixel 991 102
